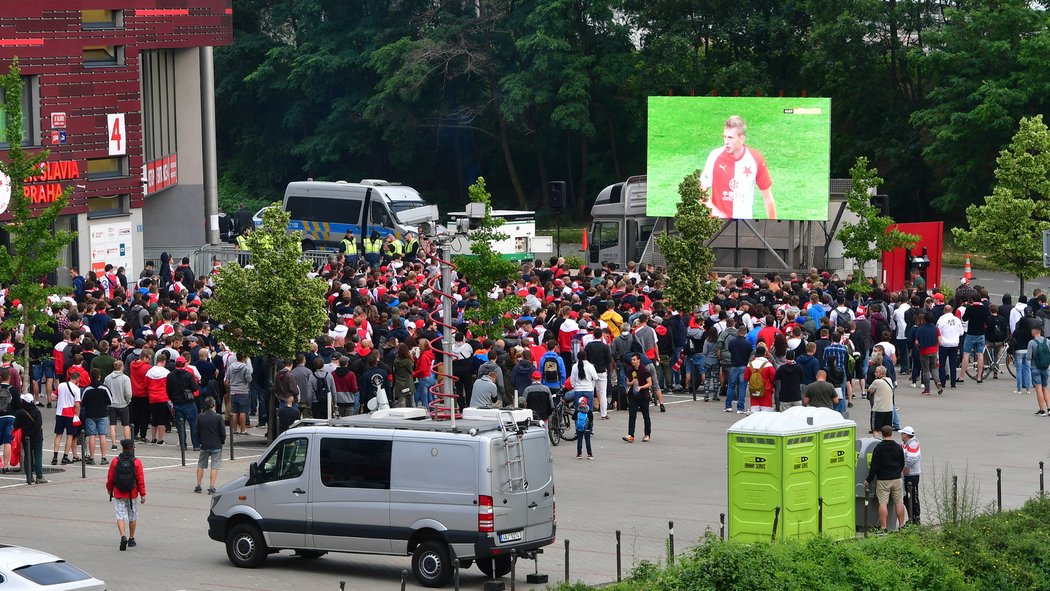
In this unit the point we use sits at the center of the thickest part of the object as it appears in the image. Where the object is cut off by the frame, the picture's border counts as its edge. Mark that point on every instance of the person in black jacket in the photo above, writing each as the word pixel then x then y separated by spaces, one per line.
pixel 887 465
pixel 181 388
pixel 28 419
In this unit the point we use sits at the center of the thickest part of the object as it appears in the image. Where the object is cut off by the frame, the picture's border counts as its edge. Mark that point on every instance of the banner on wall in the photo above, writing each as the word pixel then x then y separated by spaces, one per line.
pixel 111 244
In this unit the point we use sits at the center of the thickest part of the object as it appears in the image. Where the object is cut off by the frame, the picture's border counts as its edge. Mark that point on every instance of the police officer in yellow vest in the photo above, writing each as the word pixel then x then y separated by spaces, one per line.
pixel 242 245
pixel 373 247
pixel 348 247
pixel 392 248
pixel 411 247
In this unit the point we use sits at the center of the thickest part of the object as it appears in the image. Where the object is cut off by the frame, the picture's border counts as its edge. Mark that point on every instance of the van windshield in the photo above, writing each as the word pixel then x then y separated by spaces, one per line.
pixel 397 207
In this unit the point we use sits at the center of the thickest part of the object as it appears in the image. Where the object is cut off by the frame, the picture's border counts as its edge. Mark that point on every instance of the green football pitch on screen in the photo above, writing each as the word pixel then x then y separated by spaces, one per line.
pixel 791 135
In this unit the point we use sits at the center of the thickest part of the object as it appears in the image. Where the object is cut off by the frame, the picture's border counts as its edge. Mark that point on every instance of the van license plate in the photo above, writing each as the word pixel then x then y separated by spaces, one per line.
pixel 513 536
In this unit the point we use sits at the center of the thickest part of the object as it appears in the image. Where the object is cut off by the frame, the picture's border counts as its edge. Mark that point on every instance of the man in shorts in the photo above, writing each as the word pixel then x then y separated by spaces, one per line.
pixel 124 489
pixel 211 433
pixel 67 408
pixel 887 466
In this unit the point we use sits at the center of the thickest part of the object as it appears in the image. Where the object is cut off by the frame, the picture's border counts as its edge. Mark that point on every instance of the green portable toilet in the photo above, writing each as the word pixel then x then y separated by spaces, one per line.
pixel 781 465
pixel 836 469
pixel 773 477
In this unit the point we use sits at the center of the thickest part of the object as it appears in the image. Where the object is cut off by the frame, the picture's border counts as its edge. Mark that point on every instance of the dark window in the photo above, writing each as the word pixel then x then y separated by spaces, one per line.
pixel 355 463
pixel 52 573
pixel 342 211
pixel 379 216
pixel 106 168
pixel 104 207
pixel 287 460
pixel 102 19
pixel 158 103
pixel 103 55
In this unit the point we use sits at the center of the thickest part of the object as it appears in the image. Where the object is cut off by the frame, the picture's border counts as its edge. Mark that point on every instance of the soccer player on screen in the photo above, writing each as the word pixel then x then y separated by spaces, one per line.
pixel 732 172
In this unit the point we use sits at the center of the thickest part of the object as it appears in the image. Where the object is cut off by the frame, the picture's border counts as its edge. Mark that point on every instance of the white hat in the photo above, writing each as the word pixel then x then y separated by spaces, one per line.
pixel 908 431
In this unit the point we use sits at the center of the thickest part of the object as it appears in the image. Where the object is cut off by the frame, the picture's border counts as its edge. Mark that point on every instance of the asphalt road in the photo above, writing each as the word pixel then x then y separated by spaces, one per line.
pixel 636 488
pixel 996 282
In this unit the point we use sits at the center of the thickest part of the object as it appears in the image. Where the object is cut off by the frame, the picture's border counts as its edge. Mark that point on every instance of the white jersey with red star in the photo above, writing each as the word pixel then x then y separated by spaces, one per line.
pixel 732 182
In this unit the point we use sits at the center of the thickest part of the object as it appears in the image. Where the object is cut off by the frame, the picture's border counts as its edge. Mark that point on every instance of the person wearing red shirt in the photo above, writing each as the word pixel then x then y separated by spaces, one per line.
pixel 761 401
pixel 424 374
pixel 768 333
pixel 157 392
pixel 139 398
pixel 124 500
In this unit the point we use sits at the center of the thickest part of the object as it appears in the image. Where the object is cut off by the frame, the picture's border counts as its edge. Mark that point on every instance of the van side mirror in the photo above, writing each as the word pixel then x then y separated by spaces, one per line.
pixel 253 472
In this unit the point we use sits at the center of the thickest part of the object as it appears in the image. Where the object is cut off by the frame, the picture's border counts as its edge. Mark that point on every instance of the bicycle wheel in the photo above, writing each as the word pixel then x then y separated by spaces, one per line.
pixel 1008 359
pixel 568 431
pixel 554 428
pixel 971 370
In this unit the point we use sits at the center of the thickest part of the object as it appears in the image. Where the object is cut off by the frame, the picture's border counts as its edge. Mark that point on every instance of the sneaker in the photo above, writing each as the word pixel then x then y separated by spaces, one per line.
pixel 197 489
pixel 198 448
pixel 629 438
pixel 1027 392
pixel 1040 413
pixel 579 457
pixel 123 543
pixel 113 447
pixel 40 404
pixel 663 408
pixel 739 412
pixel 590 457
pixel 715 399
pixel 211 490
pixel 49 405
pixel 104 461
pixel 646 438
pixel 926 391
pixel 41 481
pixel 703 399
pixel 90 461
pixel 54 461
pixel 727 409
pixel 940 388
pixel 1017 391
pixel 160 442
pixel 132 543
pixel 153 441
pixel 849 405
pixel 914 385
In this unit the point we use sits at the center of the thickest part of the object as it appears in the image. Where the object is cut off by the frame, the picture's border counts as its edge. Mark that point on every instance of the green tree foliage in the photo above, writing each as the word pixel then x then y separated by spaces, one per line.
pixel 689 258
pixel 1009 225
pixel 866 240
pixel 271 306
pixel 988 64
pixel 35 245
pixel 485 268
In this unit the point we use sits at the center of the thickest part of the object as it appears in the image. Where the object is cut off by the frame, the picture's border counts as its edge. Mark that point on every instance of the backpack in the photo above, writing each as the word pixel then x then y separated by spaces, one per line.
pixel 842 320
pixel 6 398
pixel 550 370
pixel 321 388
pixel 834 372
pixel 756 386
pixel 131 321
pixel 635 348
pixel 1041 358
pixel 581 420
pixel 124 478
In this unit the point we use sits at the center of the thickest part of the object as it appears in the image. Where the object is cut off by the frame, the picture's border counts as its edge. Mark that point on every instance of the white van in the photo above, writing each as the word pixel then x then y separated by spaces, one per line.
pixel 396 482
pixel 325 211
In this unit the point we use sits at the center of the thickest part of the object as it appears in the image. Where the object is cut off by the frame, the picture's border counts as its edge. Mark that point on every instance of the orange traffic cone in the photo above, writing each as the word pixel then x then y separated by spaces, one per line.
pixel 967 271
pixel 585 241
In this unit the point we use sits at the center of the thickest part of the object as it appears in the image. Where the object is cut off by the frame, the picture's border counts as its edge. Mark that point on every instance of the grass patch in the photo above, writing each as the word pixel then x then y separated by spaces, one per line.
pixel 953 256
pixel 992 551
pixel 568 235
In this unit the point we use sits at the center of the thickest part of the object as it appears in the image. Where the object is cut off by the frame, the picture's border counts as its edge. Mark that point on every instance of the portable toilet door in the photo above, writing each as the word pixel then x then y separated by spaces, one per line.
pixel 836 469
pixel 755 479
pixel 801 484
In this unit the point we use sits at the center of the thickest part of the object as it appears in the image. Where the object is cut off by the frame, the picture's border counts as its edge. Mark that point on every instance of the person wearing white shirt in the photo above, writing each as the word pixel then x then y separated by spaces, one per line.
pixel 951 330
pixel 1017 312
pixel 901 336
pixel 583 376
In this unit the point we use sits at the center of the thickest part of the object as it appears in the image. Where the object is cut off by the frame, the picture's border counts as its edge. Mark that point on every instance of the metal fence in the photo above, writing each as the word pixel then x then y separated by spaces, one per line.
pixel 203 256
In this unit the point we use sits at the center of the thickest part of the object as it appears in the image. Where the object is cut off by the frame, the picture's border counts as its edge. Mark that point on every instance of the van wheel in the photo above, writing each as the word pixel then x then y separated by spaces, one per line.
pixel 502 564
pixel 310 554
pixel 309 245
pixel 431 564
pixel 245 546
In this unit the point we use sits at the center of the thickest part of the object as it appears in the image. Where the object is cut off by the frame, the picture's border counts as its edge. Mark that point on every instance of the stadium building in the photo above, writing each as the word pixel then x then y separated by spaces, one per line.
pixel 122 95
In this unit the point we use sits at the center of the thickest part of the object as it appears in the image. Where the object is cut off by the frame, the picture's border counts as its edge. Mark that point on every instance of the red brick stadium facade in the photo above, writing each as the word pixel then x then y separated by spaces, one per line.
pixel 114 92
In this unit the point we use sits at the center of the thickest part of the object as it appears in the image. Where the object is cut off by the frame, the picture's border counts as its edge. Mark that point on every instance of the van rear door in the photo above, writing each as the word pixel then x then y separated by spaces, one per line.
pixel 523 508
pixel 540 494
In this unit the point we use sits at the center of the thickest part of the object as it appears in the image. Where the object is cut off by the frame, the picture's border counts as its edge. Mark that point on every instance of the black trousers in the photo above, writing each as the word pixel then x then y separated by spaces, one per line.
pixel 911 502
pixel 635 404
pixel 140 416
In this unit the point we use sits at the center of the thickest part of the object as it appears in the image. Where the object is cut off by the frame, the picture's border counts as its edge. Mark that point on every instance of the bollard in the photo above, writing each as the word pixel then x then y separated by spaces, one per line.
pixel 670 543
pixel 231 438
pixel 619 561
pixel 722 525
pixel 455 567
pixel 514 558
pixel 909 492
pixel 999 489
pixel 182 439
pixel 404 579
pixel 867 513
pixel 342 585
pixel 83 452
pixel 955 499
pixel 776 520
pixel 1041 487
pixel 820 515
pixel 27 459
pixel 566 561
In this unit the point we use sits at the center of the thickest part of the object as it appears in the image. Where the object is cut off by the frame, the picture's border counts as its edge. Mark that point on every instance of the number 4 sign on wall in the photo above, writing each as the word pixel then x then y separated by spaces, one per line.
pixel 117 135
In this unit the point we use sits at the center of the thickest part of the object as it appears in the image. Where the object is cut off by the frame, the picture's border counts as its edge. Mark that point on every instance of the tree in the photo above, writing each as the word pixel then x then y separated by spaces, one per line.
pixel 271 306
pixel 689 257
pixel 866 240
pixel 35 245
pixel 1009 225
pixel 485 268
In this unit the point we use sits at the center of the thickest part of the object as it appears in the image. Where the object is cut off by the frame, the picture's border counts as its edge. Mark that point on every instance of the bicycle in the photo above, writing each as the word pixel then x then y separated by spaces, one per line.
pixel 560 425
pixel 992 365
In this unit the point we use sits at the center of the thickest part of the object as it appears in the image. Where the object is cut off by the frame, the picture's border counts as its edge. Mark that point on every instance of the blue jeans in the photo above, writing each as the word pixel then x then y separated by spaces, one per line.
pixel 1023 370
pixel 843 403
pixel 678 377
pixel 903 354
pixel 736 390
pixel 423 395
pixel 695 367
pixel 187 411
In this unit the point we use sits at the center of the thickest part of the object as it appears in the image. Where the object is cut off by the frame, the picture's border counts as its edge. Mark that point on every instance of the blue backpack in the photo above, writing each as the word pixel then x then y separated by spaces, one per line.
pixel 581 419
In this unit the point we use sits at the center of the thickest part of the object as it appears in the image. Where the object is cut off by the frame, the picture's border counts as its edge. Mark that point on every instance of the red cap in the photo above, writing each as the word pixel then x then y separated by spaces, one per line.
pixel 180 362
pixel 536 375
pixel 938 297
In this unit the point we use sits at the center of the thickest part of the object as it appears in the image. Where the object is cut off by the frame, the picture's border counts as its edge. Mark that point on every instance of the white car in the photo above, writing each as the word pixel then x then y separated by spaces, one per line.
pixel 25 568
